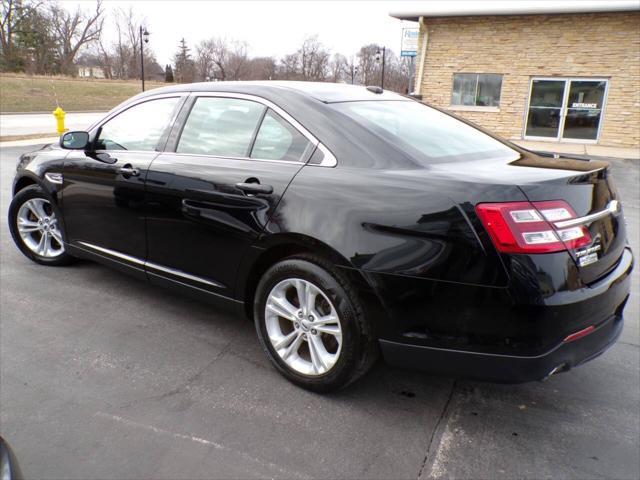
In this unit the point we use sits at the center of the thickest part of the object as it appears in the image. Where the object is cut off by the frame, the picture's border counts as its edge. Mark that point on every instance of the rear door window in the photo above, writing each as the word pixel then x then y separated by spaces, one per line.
pixel 277 139
pixel 223 127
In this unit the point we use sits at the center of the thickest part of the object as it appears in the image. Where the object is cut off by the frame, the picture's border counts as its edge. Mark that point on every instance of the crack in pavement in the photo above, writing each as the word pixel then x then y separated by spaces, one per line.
pixel 186 383
pixel 437 430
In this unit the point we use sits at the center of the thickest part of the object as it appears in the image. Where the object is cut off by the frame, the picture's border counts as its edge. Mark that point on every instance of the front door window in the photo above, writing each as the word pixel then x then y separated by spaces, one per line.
pixel 563 109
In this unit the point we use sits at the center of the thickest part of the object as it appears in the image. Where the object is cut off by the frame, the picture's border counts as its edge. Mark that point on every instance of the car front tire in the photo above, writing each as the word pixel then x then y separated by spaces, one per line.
pixel 311 325
pixel 36 228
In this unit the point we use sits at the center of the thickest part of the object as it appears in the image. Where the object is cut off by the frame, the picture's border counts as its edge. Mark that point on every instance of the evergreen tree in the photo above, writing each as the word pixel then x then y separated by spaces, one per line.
pixel 184 65
pixel 168 74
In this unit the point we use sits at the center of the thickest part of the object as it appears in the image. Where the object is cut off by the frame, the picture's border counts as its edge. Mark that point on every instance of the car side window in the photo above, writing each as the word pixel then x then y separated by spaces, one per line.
pixel 277 139
pixel 218 126
pixel 139 127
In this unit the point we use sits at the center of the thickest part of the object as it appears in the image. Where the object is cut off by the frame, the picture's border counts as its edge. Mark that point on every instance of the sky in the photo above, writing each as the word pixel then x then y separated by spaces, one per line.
pixel 269 27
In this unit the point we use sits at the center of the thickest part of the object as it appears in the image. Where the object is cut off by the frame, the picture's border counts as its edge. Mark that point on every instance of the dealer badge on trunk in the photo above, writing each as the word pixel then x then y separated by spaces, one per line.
pixel 587 256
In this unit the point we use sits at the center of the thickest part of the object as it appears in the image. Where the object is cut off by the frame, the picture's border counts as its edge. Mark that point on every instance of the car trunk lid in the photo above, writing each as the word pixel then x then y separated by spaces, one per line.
pixel 588 188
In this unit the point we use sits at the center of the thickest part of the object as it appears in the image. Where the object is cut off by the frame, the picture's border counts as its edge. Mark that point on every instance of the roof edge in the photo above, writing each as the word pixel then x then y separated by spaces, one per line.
pixel 473 9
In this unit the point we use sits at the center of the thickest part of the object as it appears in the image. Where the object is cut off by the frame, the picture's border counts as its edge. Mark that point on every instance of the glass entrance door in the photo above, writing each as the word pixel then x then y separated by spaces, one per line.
pixel 584 109
pixel 545 108
pixel 565 109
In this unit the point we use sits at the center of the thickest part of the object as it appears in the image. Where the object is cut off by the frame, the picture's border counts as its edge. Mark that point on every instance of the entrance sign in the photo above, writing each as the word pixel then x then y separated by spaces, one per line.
pixel 409 45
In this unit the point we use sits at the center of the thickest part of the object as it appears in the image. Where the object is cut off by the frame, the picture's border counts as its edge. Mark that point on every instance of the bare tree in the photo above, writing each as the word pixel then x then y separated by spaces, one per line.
pixel 73 31
pixel 368 66
pixel 238 61
pixel 351 70
pixel 338 67
pixel 261 68
pixel 314 59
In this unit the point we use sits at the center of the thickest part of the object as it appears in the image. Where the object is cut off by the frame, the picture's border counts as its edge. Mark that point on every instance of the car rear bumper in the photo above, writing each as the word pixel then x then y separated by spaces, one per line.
pixel 606 302
pixel 504 368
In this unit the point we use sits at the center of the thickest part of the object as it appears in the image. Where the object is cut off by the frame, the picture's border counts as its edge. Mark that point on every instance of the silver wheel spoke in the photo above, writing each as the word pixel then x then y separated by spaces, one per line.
pixel 57 237
pixel 37 208
pixel 295 345
pixel 315 322
pixel 27 226
pixel 327 320
pixel 330 329
pixel 315 349
pixel 42 244
pixel 281 307
pixel 286 341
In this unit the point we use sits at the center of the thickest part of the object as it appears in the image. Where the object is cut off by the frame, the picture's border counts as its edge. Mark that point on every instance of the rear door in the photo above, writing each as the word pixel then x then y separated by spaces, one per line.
pixel 231 159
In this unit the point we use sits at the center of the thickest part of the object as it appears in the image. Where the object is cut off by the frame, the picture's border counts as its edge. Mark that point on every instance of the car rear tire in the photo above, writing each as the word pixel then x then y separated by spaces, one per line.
pixel 322 342
pixel 34 223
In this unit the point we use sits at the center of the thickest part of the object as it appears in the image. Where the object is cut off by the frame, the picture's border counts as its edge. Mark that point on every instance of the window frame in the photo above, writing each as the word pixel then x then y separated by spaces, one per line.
pixel 95 129
pixel 475 108
pixel 329 159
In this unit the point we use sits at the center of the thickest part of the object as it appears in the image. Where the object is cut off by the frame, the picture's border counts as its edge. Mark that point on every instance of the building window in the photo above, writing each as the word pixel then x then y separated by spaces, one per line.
pixel 476 89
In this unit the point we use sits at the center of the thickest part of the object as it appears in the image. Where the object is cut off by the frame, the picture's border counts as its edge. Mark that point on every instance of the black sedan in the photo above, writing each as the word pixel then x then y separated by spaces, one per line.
pixel 346 221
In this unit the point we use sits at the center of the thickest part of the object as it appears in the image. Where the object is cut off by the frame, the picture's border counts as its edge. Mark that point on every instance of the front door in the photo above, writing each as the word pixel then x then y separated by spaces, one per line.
pixel 104 189
pixel 212 196
pixel 565 109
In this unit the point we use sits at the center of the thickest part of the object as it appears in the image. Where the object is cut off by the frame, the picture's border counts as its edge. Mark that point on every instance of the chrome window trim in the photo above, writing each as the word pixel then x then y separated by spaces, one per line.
pixel 612 208
pixel 147 264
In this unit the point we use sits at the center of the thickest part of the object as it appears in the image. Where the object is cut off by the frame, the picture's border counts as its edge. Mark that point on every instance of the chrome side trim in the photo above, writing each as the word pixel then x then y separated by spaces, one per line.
pixel 155 266
pixel 179 273
pixel 55 178
pixel 612 208
pixel 113 253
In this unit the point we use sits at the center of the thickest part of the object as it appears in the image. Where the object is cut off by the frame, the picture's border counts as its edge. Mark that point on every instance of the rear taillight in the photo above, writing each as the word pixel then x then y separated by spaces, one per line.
pixel 527 227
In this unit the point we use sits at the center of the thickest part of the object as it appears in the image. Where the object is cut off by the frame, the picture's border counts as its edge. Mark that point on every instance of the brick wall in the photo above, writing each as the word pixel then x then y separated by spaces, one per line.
pixel 602 45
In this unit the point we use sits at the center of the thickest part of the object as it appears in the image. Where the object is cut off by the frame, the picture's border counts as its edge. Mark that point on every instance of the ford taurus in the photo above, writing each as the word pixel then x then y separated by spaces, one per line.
pixel 347 222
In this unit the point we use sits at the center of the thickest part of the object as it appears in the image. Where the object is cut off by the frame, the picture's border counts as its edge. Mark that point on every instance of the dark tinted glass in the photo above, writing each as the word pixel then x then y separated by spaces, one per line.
pixel 489 90
pixel 425 132
pixel 464 89
pixel 476 89
pixel 547 93
pixel 222 127
pixel 139 127
pixel 586 94
pixel 278 140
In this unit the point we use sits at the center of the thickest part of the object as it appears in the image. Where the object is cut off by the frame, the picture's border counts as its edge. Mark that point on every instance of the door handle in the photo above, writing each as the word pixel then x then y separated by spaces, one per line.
pixel 129 171
pixel 255 188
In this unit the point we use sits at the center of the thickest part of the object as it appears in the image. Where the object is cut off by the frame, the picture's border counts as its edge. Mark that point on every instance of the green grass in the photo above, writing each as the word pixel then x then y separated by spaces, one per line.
pixel 38 94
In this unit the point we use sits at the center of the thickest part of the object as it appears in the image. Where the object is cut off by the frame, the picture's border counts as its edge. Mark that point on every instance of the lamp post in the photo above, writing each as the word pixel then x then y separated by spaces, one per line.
pixel 380 55
pixel 144 38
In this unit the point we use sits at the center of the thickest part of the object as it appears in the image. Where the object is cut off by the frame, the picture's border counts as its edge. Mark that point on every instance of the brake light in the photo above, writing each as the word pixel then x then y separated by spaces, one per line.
pixel 526 227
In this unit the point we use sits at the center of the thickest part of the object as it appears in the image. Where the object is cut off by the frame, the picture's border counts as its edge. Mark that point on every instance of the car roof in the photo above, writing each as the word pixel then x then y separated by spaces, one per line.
pixel 322 91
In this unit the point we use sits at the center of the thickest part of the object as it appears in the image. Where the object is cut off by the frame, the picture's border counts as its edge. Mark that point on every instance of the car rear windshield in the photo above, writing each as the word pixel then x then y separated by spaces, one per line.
pixel 426 133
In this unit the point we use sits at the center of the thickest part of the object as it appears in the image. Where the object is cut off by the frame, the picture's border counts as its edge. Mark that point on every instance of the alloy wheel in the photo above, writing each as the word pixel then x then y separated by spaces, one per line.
pixel 303 327
pixel 38 227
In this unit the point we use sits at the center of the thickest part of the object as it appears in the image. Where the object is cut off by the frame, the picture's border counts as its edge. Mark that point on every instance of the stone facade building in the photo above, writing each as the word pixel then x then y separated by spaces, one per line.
pixel 535 70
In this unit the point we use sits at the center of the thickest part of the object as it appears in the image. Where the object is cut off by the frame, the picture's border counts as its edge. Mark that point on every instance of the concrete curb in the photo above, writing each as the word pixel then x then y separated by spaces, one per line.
pixel 30 141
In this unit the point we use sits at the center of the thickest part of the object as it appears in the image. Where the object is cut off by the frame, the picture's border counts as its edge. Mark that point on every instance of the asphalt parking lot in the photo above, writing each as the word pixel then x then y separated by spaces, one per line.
pixel 102 376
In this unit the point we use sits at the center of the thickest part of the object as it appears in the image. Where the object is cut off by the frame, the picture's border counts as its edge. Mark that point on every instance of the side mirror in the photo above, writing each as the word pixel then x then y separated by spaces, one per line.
pixel 74 141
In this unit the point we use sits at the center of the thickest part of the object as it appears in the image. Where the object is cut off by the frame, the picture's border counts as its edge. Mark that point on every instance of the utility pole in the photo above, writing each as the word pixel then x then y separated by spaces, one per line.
pixel 144 38
pixel 384 53
pixel 380 55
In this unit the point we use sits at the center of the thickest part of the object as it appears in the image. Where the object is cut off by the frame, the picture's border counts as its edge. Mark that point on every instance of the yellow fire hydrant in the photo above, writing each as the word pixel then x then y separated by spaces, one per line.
pixel 60 114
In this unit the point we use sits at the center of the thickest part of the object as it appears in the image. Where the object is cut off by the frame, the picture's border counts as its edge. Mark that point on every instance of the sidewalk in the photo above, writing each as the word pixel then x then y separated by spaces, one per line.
pixel 580 149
